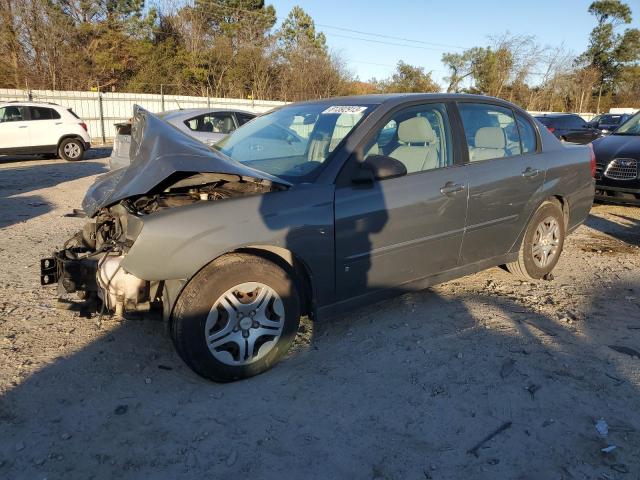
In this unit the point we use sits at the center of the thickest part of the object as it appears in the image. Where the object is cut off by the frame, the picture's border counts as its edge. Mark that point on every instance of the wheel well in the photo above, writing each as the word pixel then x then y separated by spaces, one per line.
pixel 299 271
pixel 71 135
pixel 564 205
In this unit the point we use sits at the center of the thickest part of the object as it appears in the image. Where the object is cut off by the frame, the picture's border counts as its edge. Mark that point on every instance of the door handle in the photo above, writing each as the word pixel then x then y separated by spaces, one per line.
pixel 23 126
pixel 530 172
pixel 451 187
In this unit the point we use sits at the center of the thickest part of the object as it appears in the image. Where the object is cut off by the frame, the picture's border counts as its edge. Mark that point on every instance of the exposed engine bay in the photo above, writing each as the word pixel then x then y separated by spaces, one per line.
pixel 90 262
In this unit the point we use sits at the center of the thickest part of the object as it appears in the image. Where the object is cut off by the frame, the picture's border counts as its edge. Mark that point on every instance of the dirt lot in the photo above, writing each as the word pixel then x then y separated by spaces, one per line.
pixel 403 389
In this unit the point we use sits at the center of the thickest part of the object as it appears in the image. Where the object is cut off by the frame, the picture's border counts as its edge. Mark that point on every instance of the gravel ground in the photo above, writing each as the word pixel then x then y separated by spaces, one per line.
pixel 402 390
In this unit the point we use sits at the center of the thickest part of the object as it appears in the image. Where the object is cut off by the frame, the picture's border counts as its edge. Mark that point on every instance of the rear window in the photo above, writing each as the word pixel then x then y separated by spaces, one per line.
pixel 42 113
pixel 244 118
pixel 546 121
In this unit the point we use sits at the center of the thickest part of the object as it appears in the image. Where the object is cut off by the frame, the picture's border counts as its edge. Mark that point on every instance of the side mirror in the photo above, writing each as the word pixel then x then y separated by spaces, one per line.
pixel 379 167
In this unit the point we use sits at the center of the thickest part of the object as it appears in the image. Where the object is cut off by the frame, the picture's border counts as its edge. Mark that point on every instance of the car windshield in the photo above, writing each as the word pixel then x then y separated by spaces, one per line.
pixel 630 127
pixel 293 142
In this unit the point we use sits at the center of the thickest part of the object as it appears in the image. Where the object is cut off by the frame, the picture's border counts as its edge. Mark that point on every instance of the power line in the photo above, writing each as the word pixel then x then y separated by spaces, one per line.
pixel 361 32
pixel 442 46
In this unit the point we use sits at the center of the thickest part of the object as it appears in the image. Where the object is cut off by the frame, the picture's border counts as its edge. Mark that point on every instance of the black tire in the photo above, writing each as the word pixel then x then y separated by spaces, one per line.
pixel 525 266
pixel 71 149
pixel 189 317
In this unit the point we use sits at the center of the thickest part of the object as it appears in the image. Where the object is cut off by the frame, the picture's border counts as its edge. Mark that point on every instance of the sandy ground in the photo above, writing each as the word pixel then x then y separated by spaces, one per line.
pixel 400 390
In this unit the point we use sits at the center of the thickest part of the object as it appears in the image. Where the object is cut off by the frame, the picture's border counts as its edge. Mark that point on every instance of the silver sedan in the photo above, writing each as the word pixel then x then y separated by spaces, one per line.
pixel 204 124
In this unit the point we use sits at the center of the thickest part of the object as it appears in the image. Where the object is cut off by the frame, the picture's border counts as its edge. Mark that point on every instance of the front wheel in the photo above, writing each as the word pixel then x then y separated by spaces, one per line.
pixel 236 318
pixel 71 149
pixel 542 243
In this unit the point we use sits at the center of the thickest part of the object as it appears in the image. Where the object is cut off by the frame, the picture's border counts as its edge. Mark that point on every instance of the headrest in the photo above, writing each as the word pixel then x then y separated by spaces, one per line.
pixel 416 130
pixel 490 137
pixel 208 127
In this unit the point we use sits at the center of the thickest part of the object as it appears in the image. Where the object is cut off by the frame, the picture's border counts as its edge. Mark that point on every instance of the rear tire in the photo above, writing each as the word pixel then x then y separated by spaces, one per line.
pixel 236 318
pixel 71 149
pixel 542 243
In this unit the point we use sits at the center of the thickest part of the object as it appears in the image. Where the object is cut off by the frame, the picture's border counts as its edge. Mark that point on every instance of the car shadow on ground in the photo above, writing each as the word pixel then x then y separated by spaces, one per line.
pixel 17 203
pixel 625 228
pixel 400 389
pixel 91 154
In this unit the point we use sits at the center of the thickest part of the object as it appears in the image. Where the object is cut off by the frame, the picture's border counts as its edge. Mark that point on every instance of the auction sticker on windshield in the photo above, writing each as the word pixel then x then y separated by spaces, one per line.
pixel 345 109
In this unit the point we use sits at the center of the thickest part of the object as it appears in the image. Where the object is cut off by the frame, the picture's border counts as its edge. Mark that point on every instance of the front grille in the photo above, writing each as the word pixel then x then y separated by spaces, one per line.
pixel 622 169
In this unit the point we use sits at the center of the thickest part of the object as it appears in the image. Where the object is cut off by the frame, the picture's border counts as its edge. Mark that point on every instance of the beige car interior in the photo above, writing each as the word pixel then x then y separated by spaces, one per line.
pixel 490 142
pixel 418 147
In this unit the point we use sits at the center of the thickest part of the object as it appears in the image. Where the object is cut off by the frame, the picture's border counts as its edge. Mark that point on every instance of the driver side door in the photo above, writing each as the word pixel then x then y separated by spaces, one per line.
pixel 390 232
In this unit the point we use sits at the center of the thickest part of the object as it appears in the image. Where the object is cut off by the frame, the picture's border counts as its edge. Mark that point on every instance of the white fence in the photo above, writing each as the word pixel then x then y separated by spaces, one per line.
pixel 102 110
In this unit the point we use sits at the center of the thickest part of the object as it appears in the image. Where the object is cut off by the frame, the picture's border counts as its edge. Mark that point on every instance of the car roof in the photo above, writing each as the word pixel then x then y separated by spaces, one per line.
pixel 556 115
pixel 30 104
pixel 187 112
pixel 391 100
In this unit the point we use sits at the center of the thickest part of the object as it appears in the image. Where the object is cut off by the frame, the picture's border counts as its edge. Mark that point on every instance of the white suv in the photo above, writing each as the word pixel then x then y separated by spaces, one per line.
pixel 29 128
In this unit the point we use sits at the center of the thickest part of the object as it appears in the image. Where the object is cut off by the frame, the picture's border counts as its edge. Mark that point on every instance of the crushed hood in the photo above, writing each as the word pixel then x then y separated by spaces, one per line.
pixel 158 151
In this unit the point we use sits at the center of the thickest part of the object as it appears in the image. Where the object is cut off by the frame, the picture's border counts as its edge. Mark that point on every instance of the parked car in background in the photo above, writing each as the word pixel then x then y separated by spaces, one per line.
pixel 42 128
pixel 204 124
pixel 316 208
pixel 608 122
pixel 617 160
pixel 569 127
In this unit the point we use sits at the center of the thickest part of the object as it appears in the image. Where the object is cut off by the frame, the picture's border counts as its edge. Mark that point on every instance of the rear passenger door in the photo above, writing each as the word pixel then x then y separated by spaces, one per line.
pixel 577 130
pixel 401 229
pixel 45 125
pixel 505 175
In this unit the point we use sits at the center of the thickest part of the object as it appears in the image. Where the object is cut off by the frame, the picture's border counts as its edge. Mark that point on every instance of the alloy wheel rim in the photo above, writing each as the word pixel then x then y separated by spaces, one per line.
pixel 72 150
pixel 244 324
pixel 546 241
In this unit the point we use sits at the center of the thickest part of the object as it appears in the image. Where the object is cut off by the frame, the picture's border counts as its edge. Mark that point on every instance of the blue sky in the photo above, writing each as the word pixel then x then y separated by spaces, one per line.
pixel 460 23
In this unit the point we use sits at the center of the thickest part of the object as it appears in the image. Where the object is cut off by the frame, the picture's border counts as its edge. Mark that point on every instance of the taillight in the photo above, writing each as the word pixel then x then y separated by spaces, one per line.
pixel 593 161
pixel 551 129
pixel 84 125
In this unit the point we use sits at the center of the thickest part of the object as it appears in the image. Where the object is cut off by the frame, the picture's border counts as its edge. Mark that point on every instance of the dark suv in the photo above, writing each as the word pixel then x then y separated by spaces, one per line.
pixel 608 122
pixel 569 127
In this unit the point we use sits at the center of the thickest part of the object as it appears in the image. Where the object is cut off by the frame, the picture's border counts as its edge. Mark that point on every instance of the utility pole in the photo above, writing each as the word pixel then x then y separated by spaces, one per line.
pixel 161 97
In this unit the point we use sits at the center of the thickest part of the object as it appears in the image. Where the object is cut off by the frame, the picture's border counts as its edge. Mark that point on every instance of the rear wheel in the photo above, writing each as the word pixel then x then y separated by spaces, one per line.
pixel 542 243
pixel 236 318
pixel 71 149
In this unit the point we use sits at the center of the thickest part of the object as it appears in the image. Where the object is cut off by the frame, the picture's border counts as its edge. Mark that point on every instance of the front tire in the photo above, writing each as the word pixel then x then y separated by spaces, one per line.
pixel 71 149
pixel 542 243
pixel 236 318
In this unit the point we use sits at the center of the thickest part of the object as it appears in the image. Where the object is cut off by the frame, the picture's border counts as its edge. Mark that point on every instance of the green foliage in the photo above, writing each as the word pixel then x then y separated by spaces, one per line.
pixel 408 79
pixel 299 31
pixel 608 50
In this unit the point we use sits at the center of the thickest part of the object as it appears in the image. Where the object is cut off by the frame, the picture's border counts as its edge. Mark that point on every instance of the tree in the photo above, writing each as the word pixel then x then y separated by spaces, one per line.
pixel 608 50
pixel 299 31
pixel 408 78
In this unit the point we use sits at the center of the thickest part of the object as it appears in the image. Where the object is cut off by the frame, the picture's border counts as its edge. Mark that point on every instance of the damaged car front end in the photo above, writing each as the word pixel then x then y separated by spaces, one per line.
pixel 168 170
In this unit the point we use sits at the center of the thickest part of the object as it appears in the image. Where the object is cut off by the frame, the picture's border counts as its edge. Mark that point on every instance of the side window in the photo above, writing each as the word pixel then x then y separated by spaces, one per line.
pixel 419 137
pixel 242 118
pixel 11 114
pixel 41 113
pixel 212 123
pixel 527 134
pixel 574 122
pixel 490 130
